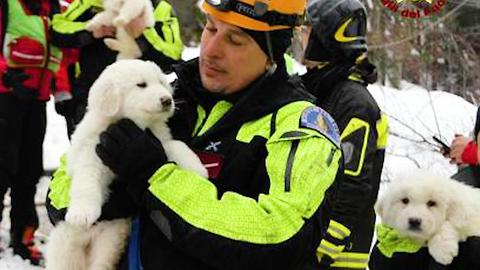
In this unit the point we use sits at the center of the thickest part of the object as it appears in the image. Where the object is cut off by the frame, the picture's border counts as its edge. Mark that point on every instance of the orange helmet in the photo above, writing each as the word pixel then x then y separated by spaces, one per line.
pixel 258 15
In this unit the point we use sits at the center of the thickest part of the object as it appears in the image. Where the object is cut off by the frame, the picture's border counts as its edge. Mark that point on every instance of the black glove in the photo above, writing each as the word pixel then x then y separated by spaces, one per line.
pixel 131 153
pixel 119 204
pixel 80 101
pixel 473 245
pixel 13 79
pixel 65 107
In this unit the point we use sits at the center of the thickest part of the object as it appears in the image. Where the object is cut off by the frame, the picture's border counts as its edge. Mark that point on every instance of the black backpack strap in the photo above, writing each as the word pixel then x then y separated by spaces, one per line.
pixel 273 122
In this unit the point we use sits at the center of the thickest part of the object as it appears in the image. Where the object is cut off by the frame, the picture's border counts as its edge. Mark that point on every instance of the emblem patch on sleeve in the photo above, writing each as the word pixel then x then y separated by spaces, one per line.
pixel 317 119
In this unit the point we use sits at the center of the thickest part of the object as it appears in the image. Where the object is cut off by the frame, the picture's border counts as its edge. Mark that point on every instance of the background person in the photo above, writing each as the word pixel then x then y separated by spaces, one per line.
pixel 338 72
pixel 28 62
pixel 464 153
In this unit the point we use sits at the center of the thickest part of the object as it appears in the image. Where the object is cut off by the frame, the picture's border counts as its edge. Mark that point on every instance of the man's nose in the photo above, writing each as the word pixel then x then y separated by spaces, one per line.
pixel 212 47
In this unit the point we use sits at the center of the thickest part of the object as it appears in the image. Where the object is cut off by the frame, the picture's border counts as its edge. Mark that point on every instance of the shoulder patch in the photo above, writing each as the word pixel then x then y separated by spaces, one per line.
pixel 318 119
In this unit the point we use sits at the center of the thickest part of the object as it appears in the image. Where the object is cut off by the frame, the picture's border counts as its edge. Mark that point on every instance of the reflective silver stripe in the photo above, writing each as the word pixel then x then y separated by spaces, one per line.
pixel 329 250
pixel 27 56
pixel 340 232
pixel 353 260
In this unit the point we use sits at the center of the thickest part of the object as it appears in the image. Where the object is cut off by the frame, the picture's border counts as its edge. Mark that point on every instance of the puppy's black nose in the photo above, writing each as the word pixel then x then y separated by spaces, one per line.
pixel 166 102
pixel 414 223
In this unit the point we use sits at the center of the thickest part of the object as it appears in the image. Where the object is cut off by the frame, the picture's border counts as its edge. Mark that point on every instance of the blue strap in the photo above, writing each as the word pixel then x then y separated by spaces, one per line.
pixel 134 260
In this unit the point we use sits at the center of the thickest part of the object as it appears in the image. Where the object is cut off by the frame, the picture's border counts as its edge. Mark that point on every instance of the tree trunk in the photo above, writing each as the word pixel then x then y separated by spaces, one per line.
pixel 190 20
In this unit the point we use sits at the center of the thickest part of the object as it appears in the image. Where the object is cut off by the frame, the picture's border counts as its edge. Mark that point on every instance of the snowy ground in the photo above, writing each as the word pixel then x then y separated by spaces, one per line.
pixel 412 118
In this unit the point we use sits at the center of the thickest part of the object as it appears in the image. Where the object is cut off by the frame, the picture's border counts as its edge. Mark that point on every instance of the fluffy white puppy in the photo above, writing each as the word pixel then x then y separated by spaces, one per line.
pixel 119 13
pixel 132 89
pixel 434 210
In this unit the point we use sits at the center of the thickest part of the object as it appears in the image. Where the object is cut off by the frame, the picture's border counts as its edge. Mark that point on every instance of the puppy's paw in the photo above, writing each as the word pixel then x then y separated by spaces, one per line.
pixel 149 19
pixel 91 26
pixel 83 216
pixel 119 22
pixel 128 55
pixel 196 167
pixel 112 44
pixel 443 251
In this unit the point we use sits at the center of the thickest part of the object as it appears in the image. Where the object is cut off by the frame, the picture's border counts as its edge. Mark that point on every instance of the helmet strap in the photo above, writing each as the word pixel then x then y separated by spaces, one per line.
pixel 271 69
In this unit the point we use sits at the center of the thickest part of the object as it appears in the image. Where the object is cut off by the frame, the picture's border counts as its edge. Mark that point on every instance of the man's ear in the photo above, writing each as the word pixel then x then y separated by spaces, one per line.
pixel 104 96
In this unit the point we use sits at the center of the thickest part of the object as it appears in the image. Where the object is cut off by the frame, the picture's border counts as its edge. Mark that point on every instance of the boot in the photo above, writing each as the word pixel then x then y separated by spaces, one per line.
pixel 24 246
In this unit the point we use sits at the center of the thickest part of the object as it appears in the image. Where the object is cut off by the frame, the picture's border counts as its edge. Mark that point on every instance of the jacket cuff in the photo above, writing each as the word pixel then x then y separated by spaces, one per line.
pixel 334 241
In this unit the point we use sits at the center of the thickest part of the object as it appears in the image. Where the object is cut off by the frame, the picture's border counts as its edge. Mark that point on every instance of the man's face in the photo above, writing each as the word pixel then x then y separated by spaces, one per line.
pixel 229 58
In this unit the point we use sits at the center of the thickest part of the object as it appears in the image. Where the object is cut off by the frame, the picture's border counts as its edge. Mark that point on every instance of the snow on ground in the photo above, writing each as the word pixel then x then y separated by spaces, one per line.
pixel 415 115
pixel 412 117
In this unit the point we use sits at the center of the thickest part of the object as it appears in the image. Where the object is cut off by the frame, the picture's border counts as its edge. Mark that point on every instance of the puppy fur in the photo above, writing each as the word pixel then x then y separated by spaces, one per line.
pixel 433 210
pixel 119 13
pixel 131 89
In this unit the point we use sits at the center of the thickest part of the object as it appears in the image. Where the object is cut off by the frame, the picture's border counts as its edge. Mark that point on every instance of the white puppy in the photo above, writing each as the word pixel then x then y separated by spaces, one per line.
pixel 433 210
pixel 132 89
pixel 119 13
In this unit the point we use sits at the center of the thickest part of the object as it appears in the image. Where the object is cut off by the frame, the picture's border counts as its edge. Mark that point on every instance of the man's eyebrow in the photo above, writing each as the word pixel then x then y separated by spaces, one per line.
pixel 238 32
pixel 233 31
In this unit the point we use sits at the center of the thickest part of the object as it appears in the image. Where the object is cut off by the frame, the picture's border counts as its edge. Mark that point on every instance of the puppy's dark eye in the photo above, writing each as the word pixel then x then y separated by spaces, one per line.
pixel 142 84
pixel 405 200
pixel 431 203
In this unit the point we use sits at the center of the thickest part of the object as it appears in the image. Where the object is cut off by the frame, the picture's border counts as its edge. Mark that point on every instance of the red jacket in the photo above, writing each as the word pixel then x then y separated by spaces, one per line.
pixel 469 154
pixel 40 78
pixel 70 57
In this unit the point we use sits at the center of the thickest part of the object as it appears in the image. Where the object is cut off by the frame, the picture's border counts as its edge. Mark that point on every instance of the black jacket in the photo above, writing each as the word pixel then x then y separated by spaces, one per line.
pixel 265 165
pixel 358 116
pixel 240 173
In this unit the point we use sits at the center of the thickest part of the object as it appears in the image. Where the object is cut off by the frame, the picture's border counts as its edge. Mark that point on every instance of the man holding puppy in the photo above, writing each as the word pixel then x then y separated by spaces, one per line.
pixel 161 44
pixel 271 154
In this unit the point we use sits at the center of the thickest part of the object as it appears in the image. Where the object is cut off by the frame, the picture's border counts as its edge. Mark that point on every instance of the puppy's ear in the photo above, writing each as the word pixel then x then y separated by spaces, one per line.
pixel 456 210
pixel 104 96
pixel 379 206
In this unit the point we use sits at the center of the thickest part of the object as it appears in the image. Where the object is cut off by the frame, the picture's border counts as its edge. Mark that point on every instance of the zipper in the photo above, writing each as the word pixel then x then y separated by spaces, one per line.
pixel 290 160
pixel 330 157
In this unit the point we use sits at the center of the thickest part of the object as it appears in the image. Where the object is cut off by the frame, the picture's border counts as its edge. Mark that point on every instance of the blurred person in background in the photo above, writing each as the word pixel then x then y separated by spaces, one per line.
pixel 161 44
pixel 338 72
pixel 28 63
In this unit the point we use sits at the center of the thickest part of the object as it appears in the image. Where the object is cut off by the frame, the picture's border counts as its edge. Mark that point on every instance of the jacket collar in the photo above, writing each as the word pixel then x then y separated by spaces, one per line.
pixel 263 96
pixel 321 81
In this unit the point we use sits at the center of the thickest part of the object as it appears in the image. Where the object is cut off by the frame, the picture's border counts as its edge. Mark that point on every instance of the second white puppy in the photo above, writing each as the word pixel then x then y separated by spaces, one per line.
pixel 132 89
pixel 119 13
pixel 436 211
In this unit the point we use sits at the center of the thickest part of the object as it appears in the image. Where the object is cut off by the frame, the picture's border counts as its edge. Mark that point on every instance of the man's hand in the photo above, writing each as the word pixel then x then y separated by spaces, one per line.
pixel 457 147
pixel 13 79
pixel 104 31
pixel 132 154
pixel 64 103
pixel 136 26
